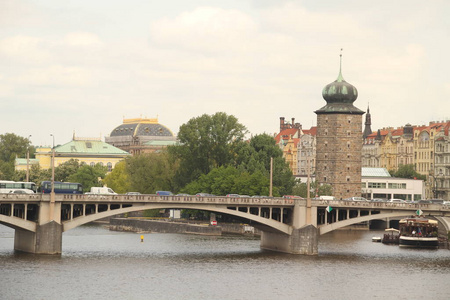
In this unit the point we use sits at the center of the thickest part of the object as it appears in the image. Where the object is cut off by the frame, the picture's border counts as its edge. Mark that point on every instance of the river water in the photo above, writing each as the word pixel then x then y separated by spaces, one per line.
pixel 100 264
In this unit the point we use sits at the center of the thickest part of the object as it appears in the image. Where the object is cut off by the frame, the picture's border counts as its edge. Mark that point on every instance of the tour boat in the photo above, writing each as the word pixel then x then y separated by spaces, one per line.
pixel 418 233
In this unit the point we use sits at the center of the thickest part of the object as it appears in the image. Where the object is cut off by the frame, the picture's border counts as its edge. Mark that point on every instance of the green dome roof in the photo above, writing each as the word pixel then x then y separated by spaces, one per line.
pixel 339 91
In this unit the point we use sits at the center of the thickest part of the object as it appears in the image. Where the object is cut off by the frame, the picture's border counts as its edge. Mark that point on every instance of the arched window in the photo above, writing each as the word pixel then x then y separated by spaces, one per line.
pixel 109 165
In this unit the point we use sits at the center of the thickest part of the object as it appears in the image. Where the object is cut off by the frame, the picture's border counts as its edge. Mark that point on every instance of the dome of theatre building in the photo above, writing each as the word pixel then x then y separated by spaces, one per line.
pixel 141 136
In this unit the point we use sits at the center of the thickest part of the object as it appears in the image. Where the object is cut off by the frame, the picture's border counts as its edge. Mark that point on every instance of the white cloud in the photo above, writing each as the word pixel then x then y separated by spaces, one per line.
pixel 82 39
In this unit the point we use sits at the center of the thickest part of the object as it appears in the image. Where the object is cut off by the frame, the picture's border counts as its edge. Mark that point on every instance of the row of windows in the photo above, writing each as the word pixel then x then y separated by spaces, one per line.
pixel 382 185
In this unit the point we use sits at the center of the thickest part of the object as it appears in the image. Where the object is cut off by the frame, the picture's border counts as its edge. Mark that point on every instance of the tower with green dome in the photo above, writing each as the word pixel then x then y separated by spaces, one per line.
pixel 339 139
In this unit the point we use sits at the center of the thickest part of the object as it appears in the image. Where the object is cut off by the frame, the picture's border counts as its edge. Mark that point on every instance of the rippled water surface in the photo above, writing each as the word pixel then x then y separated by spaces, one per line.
pixel 100 264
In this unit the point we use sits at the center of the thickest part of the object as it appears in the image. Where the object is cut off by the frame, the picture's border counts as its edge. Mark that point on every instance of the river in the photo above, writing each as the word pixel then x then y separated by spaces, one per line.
pixel 100 264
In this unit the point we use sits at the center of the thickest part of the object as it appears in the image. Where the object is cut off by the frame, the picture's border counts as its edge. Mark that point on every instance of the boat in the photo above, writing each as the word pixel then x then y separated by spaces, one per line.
pixel 391 237
pixel 376 239
pixel 418 233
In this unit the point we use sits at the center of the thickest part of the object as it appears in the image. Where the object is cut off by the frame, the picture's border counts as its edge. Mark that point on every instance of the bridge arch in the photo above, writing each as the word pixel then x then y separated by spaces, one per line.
pixel 274 225
pixel 340 224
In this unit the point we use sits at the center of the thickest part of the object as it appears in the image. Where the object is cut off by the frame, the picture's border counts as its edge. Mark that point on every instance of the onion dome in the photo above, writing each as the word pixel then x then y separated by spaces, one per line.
pixel 340 96
pixel 340 91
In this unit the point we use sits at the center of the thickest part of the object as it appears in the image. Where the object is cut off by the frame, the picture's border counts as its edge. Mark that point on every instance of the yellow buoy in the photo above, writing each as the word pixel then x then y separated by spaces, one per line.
pixel 142 238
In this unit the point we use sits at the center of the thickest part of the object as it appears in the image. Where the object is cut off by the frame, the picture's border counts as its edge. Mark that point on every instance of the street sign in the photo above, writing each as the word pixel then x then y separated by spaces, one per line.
pixel 329 209
pixel 419 212
pixel 213 222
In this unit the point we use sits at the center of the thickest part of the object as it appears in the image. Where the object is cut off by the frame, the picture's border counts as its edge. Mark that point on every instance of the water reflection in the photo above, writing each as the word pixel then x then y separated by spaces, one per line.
pixel 97 263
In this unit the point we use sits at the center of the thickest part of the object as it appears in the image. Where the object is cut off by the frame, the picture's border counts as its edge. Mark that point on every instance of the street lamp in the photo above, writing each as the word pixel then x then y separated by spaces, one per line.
pixel 53 164
pixel 28 160
pixel 435 187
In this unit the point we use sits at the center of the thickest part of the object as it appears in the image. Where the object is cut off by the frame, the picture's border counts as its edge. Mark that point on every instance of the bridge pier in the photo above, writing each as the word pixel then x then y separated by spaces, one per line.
pixel 46 240
pixel 303 240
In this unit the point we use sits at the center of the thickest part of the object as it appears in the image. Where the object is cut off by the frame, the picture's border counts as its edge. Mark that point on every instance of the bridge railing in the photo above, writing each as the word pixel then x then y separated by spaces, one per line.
pixel 176 199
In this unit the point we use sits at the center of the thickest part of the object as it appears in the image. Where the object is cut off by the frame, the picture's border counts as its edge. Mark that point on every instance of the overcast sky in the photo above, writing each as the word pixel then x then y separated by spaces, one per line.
pixel 82 66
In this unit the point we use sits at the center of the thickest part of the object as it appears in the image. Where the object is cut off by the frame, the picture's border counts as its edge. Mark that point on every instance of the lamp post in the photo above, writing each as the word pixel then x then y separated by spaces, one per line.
pixel 434 184
pixel 28 160
pixel 53 164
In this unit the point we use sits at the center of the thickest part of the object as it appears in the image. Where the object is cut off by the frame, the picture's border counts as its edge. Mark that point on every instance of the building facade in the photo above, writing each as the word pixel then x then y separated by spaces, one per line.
pixel 89 151
pixel 339 139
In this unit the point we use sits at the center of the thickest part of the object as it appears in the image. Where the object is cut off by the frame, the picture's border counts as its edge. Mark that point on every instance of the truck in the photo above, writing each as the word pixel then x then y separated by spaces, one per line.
pixel 102 190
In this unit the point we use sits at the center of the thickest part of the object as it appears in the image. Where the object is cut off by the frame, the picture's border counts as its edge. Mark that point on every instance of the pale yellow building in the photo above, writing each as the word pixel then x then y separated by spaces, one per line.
pixel 89 151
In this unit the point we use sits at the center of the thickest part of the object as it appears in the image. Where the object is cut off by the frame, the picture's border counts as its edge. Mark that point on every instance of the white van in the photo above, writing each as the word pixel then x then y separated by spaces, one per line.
pixel 330 198
pixel 102 190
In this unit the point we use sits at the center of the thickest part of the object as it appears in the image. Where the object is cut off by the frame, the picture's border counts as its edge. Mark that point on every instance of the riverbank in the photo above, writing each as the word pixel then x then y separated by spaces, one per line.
pixel 180 226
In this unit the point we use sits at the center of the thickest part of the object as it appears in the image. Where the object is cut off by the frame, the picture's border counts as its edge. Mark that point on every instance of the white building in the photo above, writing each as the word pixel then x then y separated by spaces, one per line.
pixel 378 183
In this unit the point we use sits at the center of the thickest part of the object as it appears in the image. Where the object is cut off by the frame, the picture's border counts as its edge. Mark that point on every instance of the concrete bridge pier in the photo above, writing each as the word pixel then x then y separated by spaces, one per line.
pixel 304 238
pixel 46 240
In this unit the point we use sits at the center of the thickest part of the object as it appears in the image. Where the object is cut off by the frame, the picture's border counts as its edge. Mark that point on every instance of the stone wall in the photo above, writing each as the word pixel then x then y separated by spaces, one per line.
pixel 134 225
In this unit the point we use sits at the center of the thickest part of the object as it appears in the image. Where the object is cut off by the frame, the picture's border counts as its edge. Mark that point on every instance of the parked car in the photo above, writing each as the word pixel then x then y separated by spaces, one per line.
pixel 204 195
pixel 133 193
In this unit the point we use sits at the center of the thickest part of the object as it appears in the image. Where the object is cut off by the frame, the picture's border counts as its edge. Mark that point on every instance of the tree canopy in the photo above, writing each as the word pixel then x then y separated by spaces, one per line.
pixel 407 171
pixel 206 142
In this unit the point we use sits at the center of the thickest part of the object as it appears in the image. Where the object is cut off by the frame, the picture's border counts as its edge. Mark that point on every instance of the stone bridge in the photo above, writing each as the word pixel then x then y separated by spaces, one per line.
pixel 287 225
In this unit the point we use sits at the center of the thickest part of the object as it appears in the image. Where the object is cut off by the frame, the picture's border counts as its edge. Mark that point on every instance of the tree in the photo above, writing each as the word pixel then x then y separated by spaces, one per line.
pixel 12 146
pixel 206 142
pixel 89 176
pixel 151 172
pixel 300 189
pixel 66 169
pixel 119 179
pixel 407 171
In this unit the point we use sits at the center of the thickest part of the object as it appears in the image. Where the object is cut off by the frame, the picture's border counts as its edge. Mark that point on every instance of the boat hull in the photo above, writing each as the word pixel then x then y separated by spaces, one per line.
pixel 418 242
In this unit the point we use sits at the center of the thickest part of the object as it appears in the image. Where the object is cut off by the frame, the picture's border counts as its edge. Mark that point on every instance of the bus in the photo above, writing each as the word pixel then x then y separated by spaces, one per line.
pixel 7 186
pixel 61 187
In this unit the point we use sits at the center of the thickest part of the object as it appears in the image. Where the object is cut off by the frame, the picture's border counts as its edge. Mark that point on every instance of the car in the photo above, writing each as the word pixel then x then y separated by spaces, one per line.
pixel 292 197
pixel 183 195
pixel 446 203
pixel 233 195
pixel 204 195
pixel 164 193
pixel 397 200
pixel 378 200
pixel 424 201
pixel 133 193
pixel 356 199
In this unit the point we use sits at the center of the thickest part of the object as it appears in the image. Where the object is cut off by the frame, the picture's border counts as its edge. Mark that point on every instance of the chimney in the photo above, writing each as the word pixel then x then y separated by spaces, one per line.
pixel 281 123
pixel 293 122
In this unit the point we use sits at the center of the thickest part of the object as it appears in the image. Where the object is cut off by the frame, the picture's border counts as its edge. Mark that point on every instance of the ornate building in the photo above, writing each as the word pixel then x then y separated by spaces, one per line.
pixel 339 139
pixel 287 139
pixel 442 163
pixel 307 152
pixel 89 151
pixel 141 136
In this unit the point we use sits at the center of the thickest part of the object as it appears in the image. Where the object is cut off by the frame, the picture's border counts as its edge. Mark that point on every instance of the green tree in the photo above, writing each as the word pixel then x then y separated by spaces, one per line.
pixel 66 169
pixel 119 179
pixel 407 171
pixel 206 142
pixel 89 176
pixel 12 146
pixel 151 172
pixel 300 189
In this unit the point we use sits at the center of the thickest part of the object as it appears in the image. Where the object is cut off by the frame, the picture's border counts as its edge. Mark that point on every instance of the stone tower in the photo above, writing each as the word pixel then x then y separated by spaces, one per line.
pixel 339 139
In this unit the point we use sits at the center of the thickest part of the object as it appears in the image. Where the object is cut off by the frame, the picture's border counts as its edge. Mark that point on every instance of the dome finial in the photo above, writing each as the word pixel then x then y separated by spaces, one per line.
pixel 340 77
